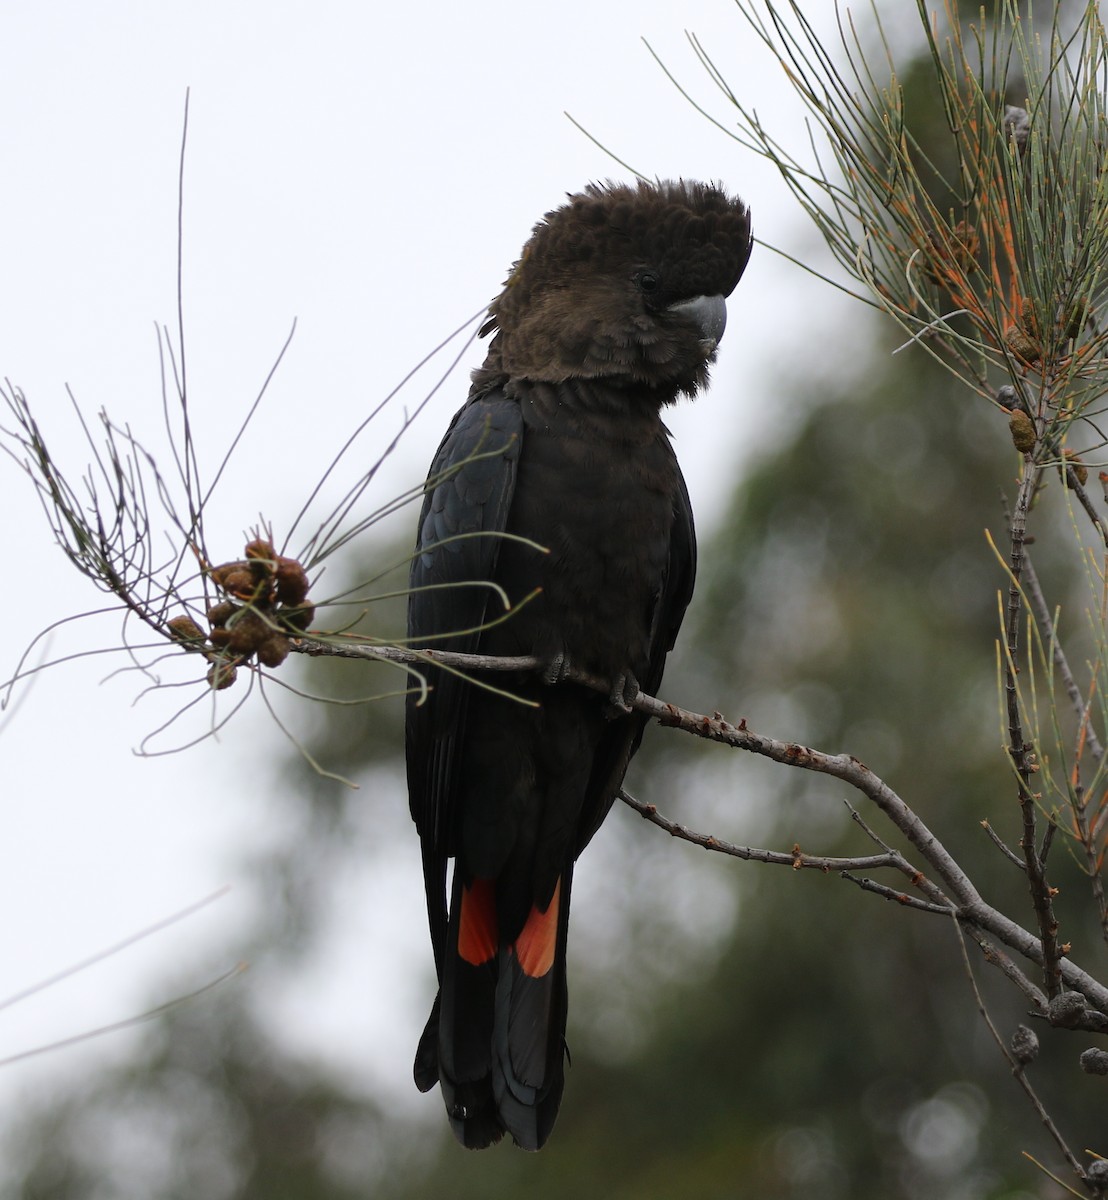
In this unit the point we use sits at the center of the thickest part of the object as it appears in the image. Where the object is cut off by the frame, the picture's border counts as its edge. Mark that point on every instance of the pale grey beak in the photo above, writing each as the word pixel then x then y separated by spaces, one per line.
pixel 709 313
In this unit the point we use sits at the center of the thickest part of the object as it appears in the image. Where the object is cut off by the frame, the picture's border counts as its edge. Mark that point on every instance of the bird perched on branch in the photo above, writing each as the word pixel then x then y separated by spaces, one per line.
pixel 556 487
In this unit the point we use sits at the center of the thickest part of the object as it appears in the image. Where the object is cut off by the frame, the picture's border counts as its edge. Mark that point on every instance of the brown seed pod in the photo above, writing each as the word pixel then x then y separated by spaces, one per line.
pixel 274 650
pixel 1017 126
pixel 1021 345
pixel 1073 321
pixel 950 254
pixel 1024 1045
pixel 263 565
pixel 236 578
pixel 219 614
pixel 220 637
pixel 221 675
pixel 965 245
pixel 219 574
pixel 261 573
pixel 184 629
pixel 247 633
pixel 1029 320
pixel 1067 1011
pixel 1079 468
pixel 1023 431
pixel 241 583
pixel 260 556
pixel 259 548
pixel 292 581
pixel 298 617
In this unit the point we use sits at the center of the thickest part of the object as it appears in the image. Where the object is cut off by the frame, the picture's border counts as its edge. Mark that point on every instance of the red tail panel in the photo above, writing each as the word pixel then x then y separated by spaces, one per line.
pixel 477 926
pixel 538 940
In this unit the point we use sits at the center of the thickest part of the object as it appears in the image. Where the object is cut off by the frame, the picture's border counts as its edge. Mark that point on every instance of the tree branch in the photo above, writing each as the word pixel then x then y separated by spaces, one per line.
pixel 1017 1067
pixel 964 901
pixel 795 858
pixel 1022 752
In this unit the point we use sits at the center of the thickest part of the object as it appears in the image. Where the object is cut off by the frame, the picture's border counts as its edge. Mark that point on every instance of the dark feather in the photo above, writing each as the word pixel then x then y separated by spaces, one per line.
pixel 612 312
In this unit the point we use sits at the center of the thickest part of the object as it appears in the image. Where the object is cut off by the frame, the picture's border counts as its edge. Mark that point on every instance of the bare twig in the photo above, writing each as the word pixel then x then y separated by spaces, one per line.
pixel 1078 489
pixel 128 1022
pixel 1017 1068
pixel 901 898
pixel 1044 619
pixel 42 984
pixel 996 957
pixel 796 858
pixel 1010 855
pixel 1022 752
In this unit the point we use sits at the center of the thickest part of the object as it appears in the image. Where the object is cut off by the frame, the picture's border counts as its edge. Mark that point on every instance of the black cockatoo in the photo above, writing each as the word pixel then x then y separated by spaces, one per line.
pixel 613 311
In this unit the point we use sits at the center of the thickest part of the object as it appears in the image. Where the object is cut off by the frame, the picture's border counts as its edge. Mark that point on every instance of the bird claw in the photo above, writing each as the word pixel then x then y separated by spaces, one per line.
pixel 625 688
pixel 557 669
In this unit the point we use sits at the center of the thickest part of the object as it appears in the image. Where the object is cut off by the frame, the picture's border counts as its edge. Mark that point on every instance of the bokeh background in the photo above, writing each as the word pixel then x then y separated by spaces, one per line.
pixel 736 1030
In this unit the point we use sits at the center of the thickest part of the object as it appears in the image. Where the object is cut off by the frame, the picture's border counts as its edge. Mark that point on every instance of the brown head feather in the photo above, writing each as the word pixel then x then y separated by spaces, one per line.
pixel 591 295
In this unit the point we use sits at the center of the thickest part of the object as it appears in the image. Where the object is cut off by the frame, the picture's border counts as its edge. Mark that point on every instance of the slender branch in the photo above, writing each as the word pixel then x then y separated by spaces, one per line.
pixel 901 898
pixel 795 858
pixel 967 903
pixel 1022 752
pixel 127 1022
pixel 354 648
pixel 83 965
pixel 799 860
pixel 1010 855
pixel 1003 962
pixel 1017 1067
pixel 1040 610
pixel 1086 735
pixel 1075 485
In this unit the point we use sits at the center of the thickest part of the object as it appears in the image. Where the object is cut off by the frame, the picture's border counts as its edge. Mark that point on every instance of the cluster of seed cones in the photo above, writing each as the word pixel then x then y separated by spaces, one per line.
pixel 266 603
pixel 1028 341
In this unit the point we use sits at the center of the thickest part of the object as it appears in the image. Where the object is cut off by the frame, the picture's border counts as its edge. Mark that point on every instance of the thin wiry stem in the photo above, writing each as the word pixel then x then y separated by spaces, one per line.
pixel 1023 753
pixel 117 947
pixel 128 1022
pixel 1018 1070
